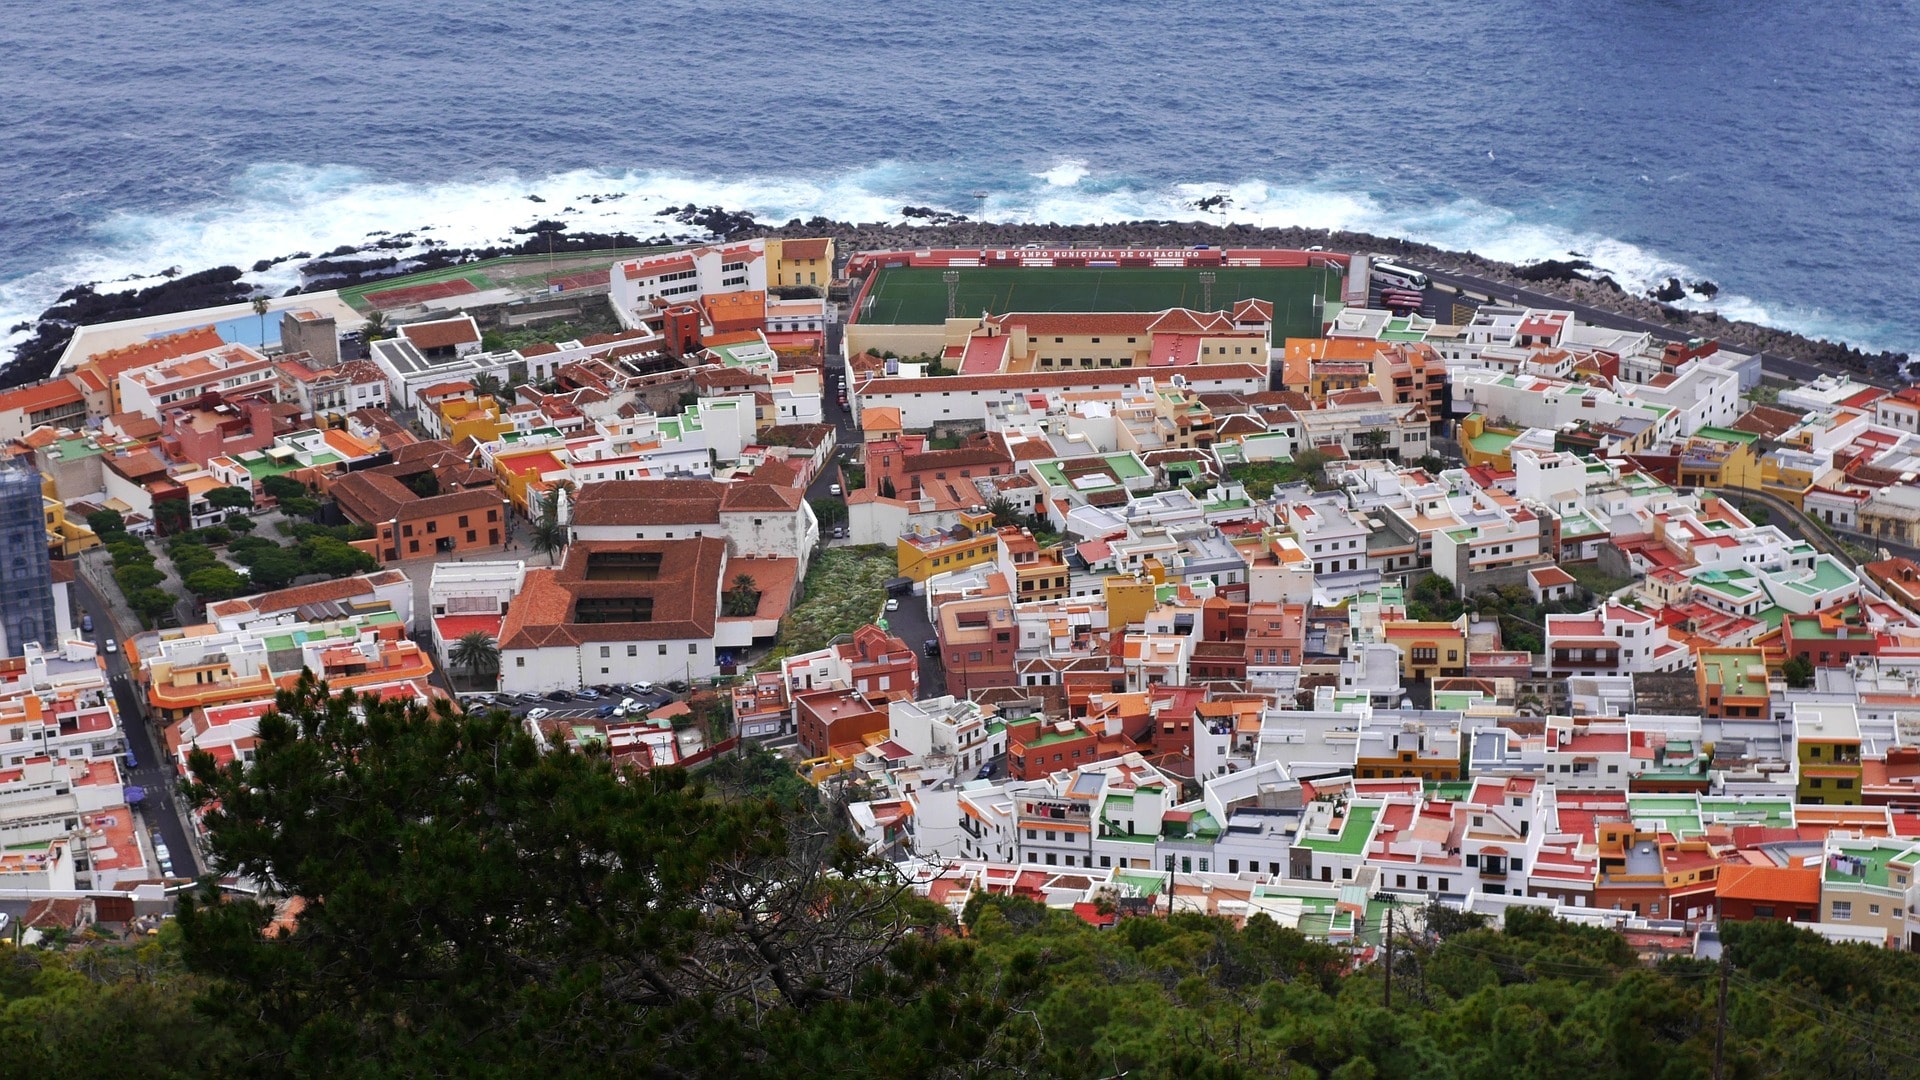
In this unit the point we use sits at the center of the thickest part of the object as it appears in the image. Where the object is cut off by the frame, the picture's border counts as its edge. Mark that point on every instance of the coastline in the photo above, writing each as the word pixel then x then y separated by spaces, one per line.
pixel 33 359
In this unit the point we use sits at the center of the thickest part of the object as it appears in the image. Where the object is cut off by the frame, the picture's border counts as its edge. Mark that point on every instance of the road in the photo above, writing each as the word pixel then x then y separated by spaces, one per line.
pixel 1779 366
pixel 164 811
pixel 846 425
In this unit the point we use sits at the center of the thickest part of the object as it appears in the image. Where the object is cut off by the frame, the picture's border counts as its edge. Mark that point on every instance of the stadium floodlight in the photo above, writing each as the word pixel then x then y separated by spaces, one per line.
pixel 1206 290
pixel 952 278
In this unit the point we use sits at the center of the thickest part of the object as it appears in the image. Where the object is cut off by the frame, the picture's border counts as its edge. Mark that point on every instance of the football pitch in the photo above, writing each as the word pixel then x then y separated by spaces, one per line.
pixel 904 295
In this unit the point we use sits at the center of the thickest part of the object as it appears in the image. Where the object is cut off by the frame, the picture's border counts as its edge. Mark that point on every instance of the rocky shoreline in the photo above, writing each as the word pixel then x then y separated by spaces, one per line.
pixel 387 256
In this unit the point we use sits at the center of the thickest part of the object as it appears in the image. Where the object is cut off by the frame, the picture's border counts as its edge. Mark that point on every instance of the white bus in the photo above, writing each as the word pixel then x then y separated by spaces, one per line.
pixel 1403 277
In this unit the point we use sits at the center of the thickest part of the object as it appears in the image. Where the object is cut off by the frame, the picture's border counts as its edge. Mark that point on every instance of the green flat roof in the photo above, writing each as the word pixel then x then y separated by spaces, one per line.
pixel 1355 828
pixel 1492 442
pixel 1727 435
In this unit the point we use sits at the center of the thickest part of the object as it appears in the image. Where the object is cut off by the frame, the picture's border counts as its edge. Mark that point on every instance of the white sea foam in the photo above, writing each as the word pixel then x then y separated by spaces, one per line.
pixel 1065 174
pixel 276 210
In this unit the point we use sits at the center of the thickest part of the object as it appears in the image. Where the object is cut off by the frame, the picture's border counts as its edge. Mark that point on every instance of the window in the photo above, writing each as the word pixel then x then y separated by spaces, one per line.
pixel 519 661
pixel 663 650
pixel 693 648
pixel 1843 911
pixel 605 651
pixel 633 650
pixel 1033 834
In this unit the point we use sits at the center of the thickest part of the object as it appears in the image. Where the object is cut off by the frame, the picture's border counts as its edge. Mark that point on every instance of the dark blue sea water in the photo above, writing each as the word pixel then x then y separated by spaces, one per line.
pixel 1771 148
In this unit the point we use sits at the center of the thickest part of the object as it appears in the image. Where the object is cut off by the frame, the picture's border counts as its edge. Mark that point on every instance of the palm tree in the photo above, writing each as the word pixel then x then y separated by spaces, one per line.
pixel 487 385
pixel 549 536
pixel 477 653
pixel 261 305
pixel 375 327
pixel 743 599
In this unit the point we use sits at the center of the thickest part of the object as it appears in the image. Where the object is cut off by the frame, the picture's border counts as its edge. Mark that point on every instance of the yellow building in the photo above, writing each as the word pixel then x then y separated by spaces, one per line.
pixel 1484 445
pixel 1429 649
pixel 522 475
pixel 1826 742
pixel 478 420
pixel 973 542
pixel 1129 599
pixel 1719 457
pixel 800 262
pixel 65 538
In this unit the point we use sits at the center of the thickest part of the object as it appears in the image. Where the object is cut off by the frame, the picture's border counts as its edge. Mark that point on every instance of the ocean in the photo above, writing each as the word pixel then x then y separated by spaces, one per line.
pixel 1771 149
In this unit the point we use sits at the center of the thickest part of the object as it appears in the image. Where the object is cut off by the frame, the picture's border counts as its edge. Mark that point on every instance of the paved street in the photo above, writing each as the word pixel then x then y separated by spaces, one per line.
pixel 163 811
pixel 846 425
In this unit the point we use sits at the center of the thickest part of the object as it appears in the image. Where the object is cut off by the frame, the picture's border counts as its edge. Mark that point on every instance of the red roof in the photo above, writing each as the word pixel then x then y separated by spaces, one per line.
pixel 46 395
pixel 443 333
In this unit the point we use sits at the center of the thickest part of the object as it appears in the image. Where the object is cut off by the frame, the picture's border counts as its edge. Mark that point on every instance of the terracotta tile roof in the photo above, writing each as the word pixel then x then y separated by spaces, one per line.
pixel 46 395
pixel 1772 884
pixel 374 496
pixel 154 351
pixel 443 333
pixel 959 457
pixel 319 592
pixel 752 496
pixel 685 593
pixel 803 249
pixel 648 502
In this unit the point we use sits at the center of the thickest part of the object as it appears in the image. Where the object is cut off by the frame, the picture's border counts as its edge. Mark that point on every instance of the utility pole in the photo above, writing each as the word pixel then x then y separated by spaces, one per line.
pixel 1389 1001
pixel 1720 1024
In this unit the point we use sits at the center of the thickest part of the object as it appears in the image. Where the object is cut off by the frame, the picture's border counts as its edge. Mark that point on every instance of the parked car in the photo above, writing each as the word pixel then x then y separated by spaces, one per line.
pixel 840 532
pixel 607 710
pixel 86 624
pixel 589 694
pixel 629 703
pixel 931 647
pixel 893 604
pixel 559 695
pixel 833 489
pixel 112 646
pixel 539 714
pixel 643 686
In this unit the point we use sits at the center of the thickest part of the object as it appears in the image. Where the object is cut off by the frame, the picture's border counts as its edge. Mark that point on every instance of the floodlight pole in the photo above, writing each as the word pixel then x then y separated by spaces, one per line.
pixel 952 278
pixel 1206 290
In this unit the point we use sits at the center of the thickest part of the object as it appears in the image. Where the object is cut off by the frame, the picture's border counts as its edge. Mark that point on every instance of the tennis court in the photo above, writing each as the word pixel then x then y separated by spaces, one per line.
pixel 917 296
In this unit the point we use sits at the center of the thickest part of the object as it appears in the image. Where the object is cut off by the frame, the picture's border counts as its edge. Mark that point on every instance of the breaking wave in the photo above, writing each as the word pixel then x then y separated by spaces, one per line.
pixel 275 210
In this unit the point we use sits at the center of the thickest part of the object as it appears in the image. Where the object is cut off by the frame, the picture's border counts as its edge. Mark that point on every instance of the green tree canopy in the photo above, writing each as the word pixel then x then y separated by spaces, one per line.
pixel 218 583
pixel 134 576
pixel 230 498
pixel 475 905
pixel 105 522
pixel 283 487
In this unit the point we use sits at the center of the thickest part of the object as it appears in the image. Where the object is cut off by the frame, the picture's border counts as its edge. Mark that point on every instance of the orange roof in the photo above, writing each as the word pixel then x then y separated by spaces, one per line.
pixel 803 249
pixel 1779 884
pixel 157 350
pixel 735 304
pixel 46 395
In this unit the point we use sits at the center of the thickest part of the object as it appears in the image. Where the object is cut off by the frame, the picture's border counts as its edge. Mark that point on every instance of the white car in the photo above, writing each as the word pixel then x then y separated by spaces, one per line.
pixel 893 605
pixel 112 646
pixel 539 714
pixel 833 489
